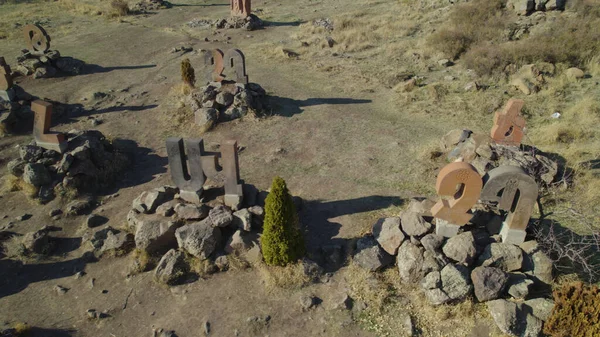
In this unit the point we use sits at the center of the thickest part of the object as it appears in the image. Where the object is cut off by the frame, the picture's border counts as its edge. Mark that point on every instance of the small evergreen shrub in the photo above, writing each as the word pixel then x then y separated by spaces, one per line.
pixel 119 8
pixel 187 73
pixel 282 242
pixel 576 311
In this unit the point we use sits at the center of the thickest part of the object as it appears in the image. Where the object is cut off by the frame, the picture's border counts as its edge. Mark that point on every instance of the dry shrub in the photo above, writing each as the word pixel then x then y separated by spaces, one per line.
pixel 291 276
pixel 22 329
pixel 14 248
pixel 13 184
pixel 119 8
pixel 187 73
pixel 576 311
pixel 143 261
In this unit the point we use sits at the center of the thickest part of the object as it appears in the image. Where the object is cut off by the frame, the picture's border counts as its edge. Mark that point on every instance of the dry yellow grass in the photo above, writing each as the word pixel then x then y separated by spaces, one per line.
pixel 289 277
pixel 13 184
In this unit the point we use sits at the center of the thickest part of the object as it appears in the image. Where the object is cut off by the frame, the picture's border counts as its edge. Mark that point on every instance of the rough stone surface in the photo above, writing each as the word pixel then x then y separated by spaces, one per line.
pixel 36 175
pixel 155 235
pixel 199 239
pixel 432 280
pixel 433 261
pixel 437 296
pixel 118 243
pixel 456 282
pixel 540 307
pixel 242 219
pixel 574 73
pixel 95 220
pixel 171 268
pixel 489 283
pixel 191 212
pixel 37 242
pixel 410 262
pixel 505 315
pixel 505 256
pixel 413 224
pixel 432 242
pixel 220 216
pixel 461 248
pixel 16 167
pixel 519 285
pixel 241 241
pixel 542 267
pixel 389 235
pixel 370 255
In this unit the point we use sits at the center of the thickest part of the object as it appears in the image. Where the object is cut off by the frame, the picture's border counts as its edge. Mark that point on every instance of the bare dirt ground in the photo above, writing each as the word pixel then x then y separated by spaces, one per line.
pixel 352 149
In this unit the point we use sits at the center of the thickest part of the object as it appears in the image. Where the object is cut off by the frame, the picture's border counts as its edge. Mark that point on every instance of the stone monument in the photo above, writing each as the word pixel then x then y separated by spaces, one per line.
pixel 41 128
pixel 228 66
pixel 7 93
pixel 240 8
pixel 509 124
pixel 38 41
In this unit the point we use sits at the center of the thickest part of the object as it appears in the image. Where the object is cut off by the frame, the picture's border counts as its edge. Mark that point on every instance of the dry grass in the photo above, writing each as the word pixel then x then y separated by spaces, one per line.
pixel 13 184
pixel 13 248
pixel 289 277
pixel 143 261
pixel 22 329
pixel 119 8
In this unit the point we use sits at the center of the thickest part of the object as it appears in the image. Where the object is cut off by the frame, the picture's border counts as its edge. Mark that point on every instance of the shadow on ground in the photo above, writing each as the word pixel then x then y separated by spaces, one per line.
pixel 96 69
pixel 321 231
pixel 283 24
pixel 288 107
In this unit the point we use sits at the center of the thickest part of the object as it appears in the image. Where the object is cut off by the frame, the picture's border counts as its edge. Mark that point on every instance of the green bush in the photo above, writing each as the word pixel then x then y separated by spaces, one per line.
pixel 282 242
pixel 187 73
pixel 576 311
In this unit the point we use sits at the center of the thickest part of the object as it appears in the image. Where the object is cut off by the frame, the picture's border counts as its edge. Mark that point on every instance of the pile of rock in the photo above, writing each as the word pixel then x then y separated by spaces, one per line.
pixel 47 65
pixel 473 263
pixel 481 152
pixel 251 22
pixel 16 111
pixel 167 226
pixel 90 161
pixel 219 102
pixel 146 6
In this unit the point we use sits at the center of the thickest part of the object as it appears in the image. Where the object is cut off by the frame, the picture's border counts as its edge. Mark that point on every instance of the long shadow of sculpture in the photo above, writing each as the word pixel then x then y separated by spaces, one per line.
pixel 321 232
pixel 197 5
pixel 288 107
pixel 96 69
pixel 17 276
pixel 41 332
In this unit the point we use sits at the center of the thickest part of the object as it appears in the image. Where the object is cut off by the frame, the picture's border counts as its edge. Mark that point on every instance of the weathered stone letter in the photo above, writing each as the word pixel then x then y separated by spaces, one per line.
pixel 214 59
pixel 509 124
pixel 41 128
pixel 516 193
pixel 240 7
pixel 38 41
pixel 231 168
pixel 188 177
pixel 235 66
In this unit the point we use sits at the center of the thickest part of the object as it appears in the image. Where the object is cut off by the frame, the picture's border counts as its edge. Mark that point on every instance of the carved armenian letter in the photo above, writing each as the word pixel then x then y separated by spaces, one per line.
pixel 461 184
pixel 235 66
pixel 516 193
pixel 231 168
pixel 509 124
pixel 38 41
pixel 240 7
pixel 189 177
pixel 214 58
pixel 41 128
pixel 5 75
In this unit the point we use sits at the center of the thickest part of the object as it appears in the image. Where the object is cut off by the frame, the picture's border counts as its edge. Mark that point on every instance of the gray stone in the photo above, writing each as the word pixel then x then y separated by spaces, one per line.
pixel 432 280
pixel 410 262
pixel 191 212
pixel 505 256
pixel 234 112
pixel 36 175
pixel 16 167
pixel 148 201
pixel 118 243
pixel 167 209
pixel 519 286
pixel 38 242
pixel 437 296
pixel 389 235
pixel 205 117
pixel 45 72
pixel 241 241
pixel 222 262
pixel 65 163
pixel 341 301
pixel 489 283
pixel 220 216
pixel 171 268
pixel 369 255
pixel 432 242
pixel 542 267
pixel 94 220
pixel 505 315
pixel 529 247
pixel 445 228
pixel 155 235
pixel 532 328
pixel 433 261
pixel 413 224
pixel 456 282
pixel 224 98
pixel 97 238
pixel 540 307
pixel 199 239
pixel 461 248
pixel 242 219
pixel 77 207
pixel 307 302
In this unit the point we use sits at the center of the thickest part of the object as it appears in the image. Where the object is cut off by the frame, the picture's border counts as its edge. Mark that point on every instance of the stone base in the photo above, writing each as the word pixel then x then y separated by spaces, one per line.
pixel 446 229
pixel 194 197
pixel 233 201
pixel 7 95
pixel 513 236
pixel 58 147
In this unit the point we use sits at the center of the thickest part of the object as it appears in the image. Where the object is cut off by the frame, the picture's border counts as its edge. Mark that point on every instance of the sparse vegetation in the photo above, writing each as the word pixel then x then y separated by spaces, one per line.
pixel 22 329
pixel 291 276
pixel 119 8
pixel 13 184
pixel 282 242
pixel 187 73
pixel 576 311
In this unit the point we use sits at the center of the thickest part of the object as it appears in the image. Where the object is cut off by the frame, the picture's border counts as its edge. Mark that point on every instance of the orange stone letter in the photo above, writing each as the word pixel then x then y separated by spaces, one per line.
pixel 509 124
pixel 41 128
pixel 462 184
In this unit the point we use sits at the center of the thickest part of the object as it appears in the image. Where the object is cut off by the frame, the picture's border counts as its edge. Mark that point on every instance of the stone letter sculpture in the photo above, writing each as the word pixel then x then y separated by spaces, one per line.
pixel 231 167
pixel 214 59
pixel 509 124
pixel 41 128
pixel 455 210
pixel 516 193
pixel 5 75
pixel 240 8
pixel 188 177
pixel 230 66
pixel 38 41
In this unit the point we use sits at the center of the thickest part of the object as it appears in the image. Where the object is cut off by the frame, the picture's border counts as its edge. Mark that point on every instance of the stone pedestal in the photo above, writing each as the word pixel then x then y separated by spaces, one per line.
pixel 513 236
pixel 194 197
pixel 445 229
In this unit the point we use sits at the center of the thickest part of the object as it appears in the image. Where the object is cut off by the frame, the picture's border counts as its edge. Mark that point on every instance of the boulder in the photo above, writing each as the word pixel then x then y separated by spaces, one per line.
pixel 369 255
pixel 542 267
pixel 389 235
pixel 205 117
pixel 410 262
pixel 539 307
pixel 220 216
pixel 453 137
pixel 505 256
pixel 505 315
pixel 95 220
pixel 167 209
pixel 78 207
pixel 97 238
pixel 37 242
pixel 437 296
pixel 156 235
pixel 199 239
pixel 241 241
pixel 118 243
pixel 519 285
pixel 224 99
pixel 461 248
pixel 432 280
pixel 16 167
pixel 242 219
pixel 191 212
pixel 433 261
pixel 171 267
pixel 574 73
pixel 413 224
pixel 489 283
pixel 533 326
pixel 432 242
pixel 222 262
pixel 36 175
pixel 456 282
pixel 148 201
